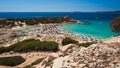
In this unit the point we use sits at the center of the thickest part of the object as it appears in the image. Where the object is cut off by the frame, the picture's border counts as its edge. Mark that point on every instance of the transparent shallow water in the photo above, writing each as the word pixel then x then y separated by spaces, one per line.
pixel 94 28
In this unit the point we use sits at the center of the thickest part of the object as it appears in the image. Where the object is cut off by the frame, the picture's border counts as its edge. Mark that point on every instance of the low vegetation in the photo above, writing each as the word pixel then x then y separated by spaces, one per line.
pixel 34 63
pixel 28 66
pixel 34 21
pixel 11 61
pixel 68 40
pixel 31 45
pixel 4 23
pixel 87 44
pixel 37 61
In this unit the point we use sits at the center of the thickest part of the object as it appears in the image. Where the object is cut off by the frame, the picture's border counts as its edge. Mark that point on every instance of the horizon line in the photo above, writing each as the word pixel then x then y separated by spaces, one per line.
pixel 65 11
pixel 71 11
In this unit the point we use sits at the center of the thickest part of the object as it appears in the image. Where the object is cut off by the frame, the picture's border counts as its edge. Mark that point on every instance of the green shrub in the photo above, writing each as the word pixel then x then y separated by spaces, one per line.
pixel 68 40
pixel 86 44
pixel 37 46
pixel 28 66
pixel 37 61
pixel 34 21
pixel 4 49
pixel 11 61
pixel 48 46
pixel 31 45
pixel 27 45
pixel 4 23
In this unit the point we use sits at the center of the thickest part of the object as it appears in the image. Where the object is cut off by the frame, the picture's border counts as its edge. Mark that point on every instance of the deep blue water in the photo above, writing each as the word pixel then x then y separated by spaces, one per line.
pixel 76 15
pixel 98 22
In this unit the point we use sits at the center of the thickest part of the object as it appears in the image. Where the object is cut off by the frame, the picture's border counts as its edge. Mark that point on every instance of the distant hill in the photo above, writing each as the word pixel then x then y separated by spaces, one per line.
pixel 117 11
pixel 110 11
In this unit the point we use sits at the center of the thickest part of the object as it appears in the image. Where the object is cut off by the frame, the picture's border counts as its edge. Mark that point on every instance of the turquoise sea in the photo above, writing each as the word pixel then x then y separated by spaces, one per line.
pixel 94 28
pixel 97 22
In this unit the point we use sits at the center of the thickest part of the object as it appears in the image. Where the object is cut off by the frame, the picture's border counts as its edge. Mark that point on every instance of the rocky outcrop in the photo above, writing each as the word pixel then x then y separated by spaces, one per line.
pixel 68 49
pixel 56 59
pixel 112 40
pixel 101 55
pixel 115 24
pixel 6 35
pixel 47 61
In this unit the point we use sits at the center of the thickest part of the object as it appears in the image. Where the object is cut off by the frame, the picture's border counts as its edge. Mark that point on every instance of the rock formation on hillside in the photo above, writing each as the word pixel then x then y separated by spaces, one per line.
pixel 100 55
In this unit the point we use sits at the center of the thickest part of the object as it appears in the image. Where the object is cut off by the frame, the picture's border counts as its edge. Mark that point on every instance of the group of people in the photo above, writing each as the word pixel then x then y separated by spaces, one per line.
pixel 54 29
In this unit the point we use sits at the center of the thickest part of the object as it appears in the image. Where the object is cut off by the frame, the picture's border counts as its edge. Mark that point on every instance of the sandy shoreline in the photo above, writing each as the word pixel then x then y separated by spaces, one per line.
pixel 49 32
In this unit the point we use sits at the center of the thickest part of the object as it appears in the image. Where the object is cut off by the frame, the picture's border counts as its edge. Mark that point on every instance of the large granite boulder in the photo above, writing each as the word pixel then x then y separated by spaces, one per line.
pixel 68 49
pixel 47 61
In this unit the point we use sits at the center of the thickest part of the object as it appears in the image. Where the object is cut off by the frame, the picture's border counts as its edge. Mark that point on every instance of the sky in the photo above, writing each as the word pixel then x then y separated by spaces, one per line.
pixel 58 5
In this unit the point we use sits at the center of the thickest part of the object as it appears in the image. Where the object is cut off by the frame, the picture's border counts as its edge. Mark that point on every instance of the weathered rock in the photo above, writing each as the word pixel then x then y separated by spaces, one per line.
pixel 73 65
pixel 68 49
pixel 51 57
pixel 102 55
pixel 60 62
pixel 92 65
pixel 60 54
pixel 47 61
pixel 81 65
